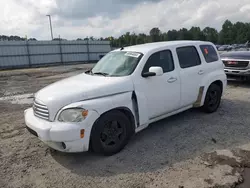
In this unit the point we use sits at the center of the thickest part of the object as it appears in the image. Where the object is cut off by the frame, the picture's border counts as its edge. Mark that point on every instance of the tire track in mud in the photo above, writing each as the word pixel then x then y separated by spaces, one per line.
pixel 11 133
pixel 11 121
pixel 16 83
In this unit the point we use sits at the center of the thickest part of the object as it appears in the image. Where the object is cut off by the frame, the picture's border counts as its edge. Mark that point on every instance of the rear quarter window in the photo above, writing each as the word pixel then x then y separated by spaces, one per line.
pixel 209 53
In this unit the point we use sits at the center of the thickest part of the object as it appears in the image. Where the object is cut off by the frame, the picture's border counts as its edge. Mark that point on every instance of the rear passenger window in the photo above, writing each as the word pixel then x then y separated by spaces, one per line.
pixel 188 56
pixel 161 59
pixel 209 53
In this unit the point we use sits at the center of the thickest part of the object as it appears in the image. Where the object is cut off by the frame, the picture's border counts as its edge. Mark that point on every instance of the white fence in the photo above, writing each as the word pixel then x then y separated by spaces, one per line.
pixel 16 54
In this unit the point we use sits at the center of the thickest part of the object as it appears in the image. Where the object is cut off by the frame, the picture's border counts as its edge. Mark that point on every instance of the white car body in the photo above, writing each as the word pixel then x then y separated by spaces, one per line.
pixel 145 100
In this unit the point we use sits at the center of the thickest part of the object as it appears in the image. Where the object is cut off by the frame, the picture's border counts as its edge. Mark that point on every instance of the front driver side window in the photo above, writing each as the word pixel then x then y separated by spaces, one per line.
pixel 161 59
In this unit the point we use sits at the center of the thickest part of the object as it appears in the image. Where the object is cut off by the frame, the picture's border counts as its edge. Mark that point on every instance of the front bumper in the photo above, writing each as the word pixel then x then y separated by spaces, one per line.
pixel 61 136
pixel 237 72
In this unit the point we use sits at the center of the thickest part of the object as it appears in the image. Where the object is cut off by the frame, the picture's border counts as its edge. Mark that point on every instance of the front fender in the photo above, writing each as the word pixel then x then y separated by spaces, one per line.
pixel 100 106
pixel 104 104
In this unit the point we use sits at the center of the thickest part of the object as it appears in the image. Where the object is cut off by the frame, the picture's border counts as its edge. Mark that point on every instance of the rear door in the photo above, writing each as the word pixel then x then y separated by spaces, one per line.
pixel 191 74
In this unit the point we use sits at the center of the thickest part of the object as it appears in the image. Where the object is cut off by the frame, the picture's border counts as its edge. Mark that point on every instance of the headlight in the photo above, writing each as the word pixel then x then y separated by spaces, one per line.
pixel 73 115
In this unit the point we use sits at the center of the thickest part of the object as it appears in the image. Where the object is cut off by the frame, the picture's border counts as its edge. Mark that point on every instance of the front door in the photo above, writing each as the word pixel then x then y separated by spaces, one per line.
pixel 162 93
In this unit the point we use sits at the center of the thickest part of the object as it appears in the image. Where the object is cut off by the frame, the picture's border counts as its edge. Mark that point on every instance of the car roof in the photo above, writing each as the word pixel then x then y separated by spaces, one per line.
pixel 145 48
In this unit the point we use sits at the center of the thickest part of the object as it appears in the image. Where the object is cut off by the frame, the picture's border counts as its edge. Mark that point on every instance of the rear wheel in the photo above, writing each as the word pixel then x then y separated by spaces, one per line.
pixel 213 98
pixel 110 133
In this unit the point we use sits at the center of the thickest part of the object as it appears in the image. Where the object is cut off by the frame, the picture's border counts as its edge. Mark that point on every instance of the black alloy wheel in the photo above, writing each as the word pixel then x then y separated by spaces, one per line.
pixel 111 133
pixel 213 98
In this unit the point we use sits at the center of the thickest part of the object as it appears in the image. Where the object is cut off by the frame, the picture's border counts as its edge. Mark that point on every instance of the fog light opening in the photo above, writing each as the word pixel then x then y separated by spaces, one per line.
pixel 63 145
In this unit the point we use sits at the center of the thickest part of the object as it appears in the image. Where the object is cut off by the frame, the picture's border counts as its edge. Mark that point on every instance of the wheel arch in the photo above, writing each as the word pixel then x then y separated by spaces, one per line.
pixel 125 110
pixel 128 113
pixel 217 82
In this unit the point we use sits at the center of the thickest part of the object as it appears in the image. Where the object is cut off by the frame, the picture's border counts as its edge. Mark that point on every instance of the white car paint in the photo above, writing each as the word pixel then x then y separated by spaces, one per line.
pixel 157 97
pixel 81 87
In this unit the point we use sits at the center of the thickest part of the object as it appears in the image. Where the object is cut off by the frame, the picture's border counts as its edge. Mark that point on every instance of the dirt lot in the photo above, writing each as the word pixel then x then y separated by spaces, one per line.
pixel 191 149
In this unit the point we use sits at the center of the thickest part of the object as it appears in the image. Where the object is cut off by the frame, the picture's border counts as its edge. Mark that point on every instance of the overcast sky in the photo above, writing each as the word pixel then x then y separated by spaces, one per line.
pixel 80 18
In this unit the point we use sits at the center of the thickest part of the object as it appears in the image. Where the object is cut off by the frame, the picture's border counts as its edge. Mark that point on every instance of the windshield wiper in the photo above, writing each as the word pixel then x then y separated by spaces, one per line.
pixel 101 73
pixel 89 71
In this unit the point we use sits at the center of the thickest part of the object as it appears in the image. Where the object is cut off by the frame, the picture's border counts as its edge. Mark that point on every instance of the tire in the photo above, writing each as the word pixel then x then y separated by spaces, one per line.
pixel 213 99
pixel 111 133
pixel 248 79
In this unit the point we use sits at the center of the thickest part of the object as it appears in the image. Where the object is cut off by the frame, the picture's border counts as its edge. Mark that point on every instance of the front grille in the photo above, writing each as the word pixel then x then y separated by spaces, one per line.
pixel 41 110
pixel 236 64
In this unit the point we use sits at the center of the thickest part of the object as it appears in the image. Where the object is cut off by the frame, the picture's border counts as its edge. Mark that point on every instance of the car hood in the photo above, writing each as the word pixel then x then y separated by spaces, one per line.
pixel 81 87
pixel 244 55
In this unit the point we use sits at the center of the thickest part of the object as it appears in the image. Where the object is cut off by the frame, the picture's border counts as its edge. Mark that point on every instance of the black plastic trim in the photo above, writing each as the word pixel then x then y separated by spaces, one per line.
pixel 32 131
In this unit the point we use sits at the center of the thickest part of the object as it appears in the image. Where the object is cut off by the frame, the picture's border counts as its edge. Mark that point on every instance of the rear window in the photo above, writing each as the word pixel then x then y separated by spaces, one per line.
pixel 209 53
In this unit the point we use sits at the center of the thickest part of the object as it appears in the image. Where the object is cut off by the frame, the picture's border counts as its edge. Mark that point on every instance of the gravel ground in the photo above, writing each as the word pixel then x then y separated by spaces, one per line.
pixel 164 155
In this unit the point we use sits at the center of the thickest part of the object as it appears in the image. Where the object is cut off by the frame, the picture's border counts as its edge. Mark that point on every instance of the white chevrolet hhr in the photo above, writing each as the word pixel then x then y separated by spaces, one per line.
pixel 128 89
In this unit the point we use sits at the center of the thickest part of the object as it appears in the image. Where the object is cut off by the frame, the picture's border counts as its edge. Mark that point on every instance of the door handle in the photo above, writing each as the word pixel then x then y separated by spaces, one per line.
pixel 201 72
pixel 171 80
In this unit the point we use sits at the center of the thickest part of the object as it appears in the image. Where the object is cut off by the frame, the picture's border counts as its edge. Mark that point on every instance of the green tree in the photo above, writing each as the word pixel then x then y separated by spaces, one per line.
pixel 210 34
pixel 241 31
pixel 227 35
pixel 32 39
pixel 196 33
pixel 184 34
pixel 155 34
pixel 141 38
pixel 164 36
pixel 173 35
pixel 248 31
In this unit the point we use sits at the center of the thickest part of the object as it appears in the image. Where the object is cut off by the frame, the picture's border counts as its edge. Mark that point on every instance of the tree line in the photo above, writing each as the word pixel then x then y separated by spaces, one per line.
pixel 14 38
pixel 231 33
pixel 237 33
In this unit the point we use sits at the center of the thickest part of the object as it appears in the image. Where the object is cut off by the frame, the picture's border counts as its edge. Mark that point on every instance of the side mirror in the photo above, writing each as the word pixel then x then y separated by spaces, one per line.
pixel 153 71
pixel 157 70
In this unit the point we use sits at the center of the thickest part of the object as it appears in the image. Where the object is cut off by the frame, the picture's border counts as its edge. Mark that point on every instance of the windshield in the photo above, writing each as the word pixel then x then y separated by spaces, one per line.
pixel 117 63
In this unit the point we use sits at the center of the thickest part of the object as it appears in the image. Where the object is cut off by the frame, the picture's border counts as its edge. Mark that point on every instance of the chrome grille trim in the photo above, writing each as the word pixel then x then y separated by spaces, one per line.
pixel 240 64
pixel 41 114
pixel 40 110
pixel 37 115
pixel 40 106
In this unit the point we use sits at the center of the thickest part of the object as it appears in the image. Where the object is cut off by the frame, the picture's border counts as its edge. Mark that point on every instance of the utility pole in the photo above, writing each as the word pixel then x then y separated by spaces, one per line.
pixel 50 26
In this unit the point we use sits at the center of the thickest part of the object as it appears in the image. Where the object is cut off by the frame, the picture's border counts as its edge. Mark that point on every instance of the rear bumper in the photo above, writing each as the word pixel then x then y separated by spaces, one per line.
pixel 237 72
pixel 64 137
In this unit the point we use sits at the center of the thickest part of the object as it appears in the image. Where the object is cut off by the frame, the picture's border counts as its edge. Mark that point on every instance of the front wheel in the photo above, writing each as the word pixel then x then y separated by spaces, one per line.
pixel 110 133
pixel 213 98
